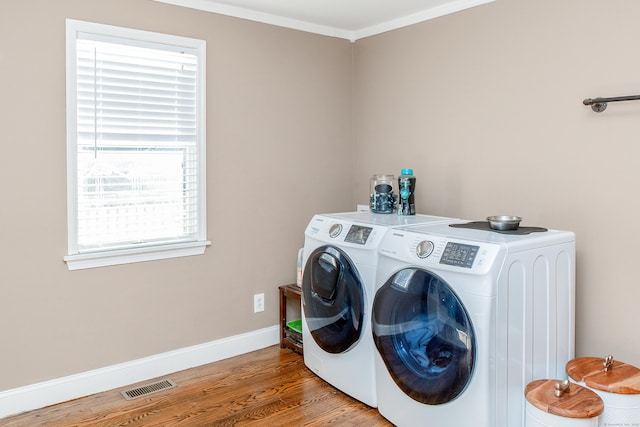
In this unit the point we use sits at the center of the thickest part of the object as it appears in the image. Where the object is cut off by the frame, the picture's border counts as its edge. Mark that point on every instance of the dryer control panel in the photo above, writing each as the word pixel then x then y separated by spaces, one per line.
pixel 459 254
pixel 439 252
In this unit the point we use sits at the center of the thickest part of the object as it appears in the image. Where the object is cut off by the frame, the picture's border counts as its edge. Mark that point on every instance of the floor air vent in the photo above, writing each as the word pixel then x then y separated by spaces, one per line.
pixel 134 393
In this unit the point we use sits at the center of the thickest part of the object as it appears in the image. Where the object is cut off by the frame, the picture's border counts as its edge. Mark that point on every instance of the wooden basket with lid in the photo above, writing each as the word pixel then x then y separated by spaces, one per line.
pixel 617 383
pixel 554 403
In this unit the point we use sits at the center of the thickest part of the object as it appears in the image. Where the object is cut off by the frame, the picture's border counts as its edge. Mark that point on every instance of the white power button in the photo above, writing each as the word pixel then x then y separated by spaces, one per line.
pixel 424 249
pixel 335 230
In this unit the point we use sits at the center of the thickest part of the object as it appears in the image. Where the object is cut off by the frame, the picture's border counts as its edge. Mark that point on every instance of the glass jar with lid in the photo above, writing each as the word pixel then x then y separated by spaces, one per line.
pixel 383 192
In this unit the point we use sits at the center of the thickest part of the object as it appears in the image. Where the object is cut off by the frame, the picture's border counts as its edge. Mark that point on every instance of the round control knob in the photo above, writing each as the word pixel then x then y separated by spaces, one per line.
pixel 424 249
pixel 335 230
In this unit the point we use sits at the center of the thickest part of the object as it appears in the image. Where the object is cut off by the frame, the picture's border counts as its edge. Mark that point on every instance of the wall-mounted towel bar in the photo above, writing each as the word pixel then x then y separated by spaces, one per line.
pixel 600 104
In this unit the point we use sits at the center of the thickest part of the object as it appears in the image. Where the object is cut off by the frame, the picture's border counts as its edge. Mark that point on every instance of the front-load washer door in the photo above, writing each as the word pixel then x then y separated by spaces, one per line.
pixel 333 299
pixel 424 336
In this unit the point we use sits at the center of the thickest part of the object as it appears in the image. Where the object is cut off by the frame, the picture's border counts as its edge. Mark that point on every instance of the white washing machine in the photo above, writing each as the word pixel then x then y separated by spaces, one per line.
pixel 463 318
pixel 338 283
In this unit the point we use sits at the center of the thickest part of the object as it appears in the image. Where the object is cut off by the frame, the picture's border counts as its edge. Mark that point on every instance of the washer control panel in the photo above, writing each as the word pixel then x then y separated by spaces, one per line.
pixel 358 234
pixel 335 230
pixel 344 232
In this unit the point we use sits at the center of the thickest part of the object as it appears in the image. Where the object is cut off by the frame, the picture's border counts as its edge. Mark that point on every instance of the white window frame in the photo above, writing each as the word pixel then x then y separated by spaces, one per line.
pixel 99 258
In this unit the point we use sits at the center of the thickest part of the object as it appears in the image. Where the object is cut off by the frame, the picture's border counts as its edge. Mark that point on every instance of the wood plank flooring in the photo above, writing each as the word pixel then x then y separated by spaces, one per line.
pixel 269 387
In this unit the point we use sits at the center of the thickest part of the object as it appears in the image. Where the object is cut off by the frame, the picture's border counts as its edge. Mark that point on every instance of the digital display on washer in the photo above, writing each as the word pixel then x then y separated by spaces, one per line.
pixel 358 234
pixel 459 255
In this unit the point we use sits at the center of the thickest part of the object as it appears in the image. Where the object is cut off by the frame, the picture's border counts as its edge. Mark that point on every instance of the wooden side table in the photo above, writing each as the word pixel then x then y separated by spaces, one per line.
pixel 288 337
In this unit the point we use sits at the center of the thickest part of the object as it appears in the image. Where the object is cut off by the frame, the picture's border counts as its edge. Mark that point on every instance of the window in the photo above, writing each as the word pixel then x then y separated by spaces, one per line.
pixel 135 145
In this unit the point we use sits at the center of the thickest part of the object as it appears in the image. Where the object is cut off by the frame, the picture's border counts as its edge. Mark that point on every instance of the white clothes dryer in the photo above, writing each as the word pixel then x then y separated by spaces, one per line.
pixel 463 318
pixel 338 283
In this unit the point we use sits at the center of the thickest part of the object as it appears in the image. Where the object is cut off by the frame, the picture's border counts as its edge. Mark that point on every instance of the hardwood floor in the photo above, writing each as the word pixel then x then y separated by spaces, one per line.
pixel 269 387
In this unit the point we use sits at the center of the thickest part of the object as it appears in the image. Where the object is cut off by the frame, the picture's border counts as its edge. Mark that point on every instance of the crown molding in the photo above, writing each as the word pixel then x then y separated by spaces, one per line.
pixel 266 18
pixel 425 15
pixel 352 35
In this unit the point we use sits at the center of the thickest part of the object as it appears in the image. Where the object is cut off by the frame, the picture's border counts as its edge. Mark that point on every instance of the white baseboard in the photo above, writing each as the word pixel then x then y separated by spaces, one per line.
pixel 59 390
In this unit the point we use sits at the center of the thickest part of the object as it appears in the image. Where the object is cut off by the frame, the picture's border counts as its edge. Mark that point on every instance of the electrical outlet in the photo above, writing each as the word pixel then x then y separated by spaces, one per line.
pixel 258 303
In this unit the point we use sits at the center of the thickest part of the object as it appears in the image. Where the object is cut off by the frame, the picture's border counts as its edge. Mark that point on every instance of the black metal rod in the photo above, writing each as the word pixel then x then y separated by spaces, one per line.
pixel 591 101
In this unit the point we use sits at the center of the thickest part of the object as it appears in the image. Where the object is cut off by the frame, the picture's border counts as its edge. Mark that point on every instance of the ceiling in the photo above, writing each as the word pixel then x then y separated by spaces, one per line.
pixel 348 19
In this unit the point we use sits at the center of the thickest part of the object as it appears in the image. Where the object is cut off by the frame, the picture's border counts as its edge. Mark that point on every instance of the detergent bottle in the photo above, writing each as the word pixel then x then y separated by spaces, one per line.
pixel 406 189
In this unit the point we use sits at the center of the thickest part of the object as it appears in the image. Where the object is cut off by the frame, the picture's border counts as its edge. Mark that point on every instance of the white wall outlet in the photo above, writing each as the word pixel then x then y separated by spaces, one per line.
pixel 258 303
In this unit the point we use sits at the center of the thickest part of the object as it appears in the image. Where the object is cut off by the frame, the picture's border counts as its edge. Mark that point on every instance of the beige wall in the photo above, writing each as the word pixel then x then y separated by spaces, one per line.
pixel 486 106
pixel 274 96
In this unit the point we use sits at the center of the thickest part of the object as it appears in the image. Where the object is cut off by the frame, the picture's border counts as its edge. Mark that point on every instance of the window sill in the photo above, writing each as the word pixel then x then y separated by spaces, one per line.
pixel 128 256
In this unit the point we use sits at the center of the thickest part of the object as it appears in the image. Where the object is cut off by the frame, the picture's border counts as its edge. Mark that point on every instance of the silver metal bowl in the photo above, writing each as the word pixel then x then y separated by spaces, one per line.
pixel 504 222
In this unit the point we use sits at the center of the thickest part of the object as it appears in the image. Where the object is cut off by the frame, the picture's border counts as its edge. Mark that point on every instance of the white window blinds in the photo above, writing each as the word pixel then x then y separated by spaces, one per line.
pixel 138 148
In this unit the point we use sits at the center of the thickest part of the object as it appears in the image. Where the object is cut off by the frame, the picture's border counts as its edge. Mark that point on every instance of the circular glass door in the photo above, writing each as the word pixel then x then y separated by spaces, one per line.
pixel 424 336
pixel 333 299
